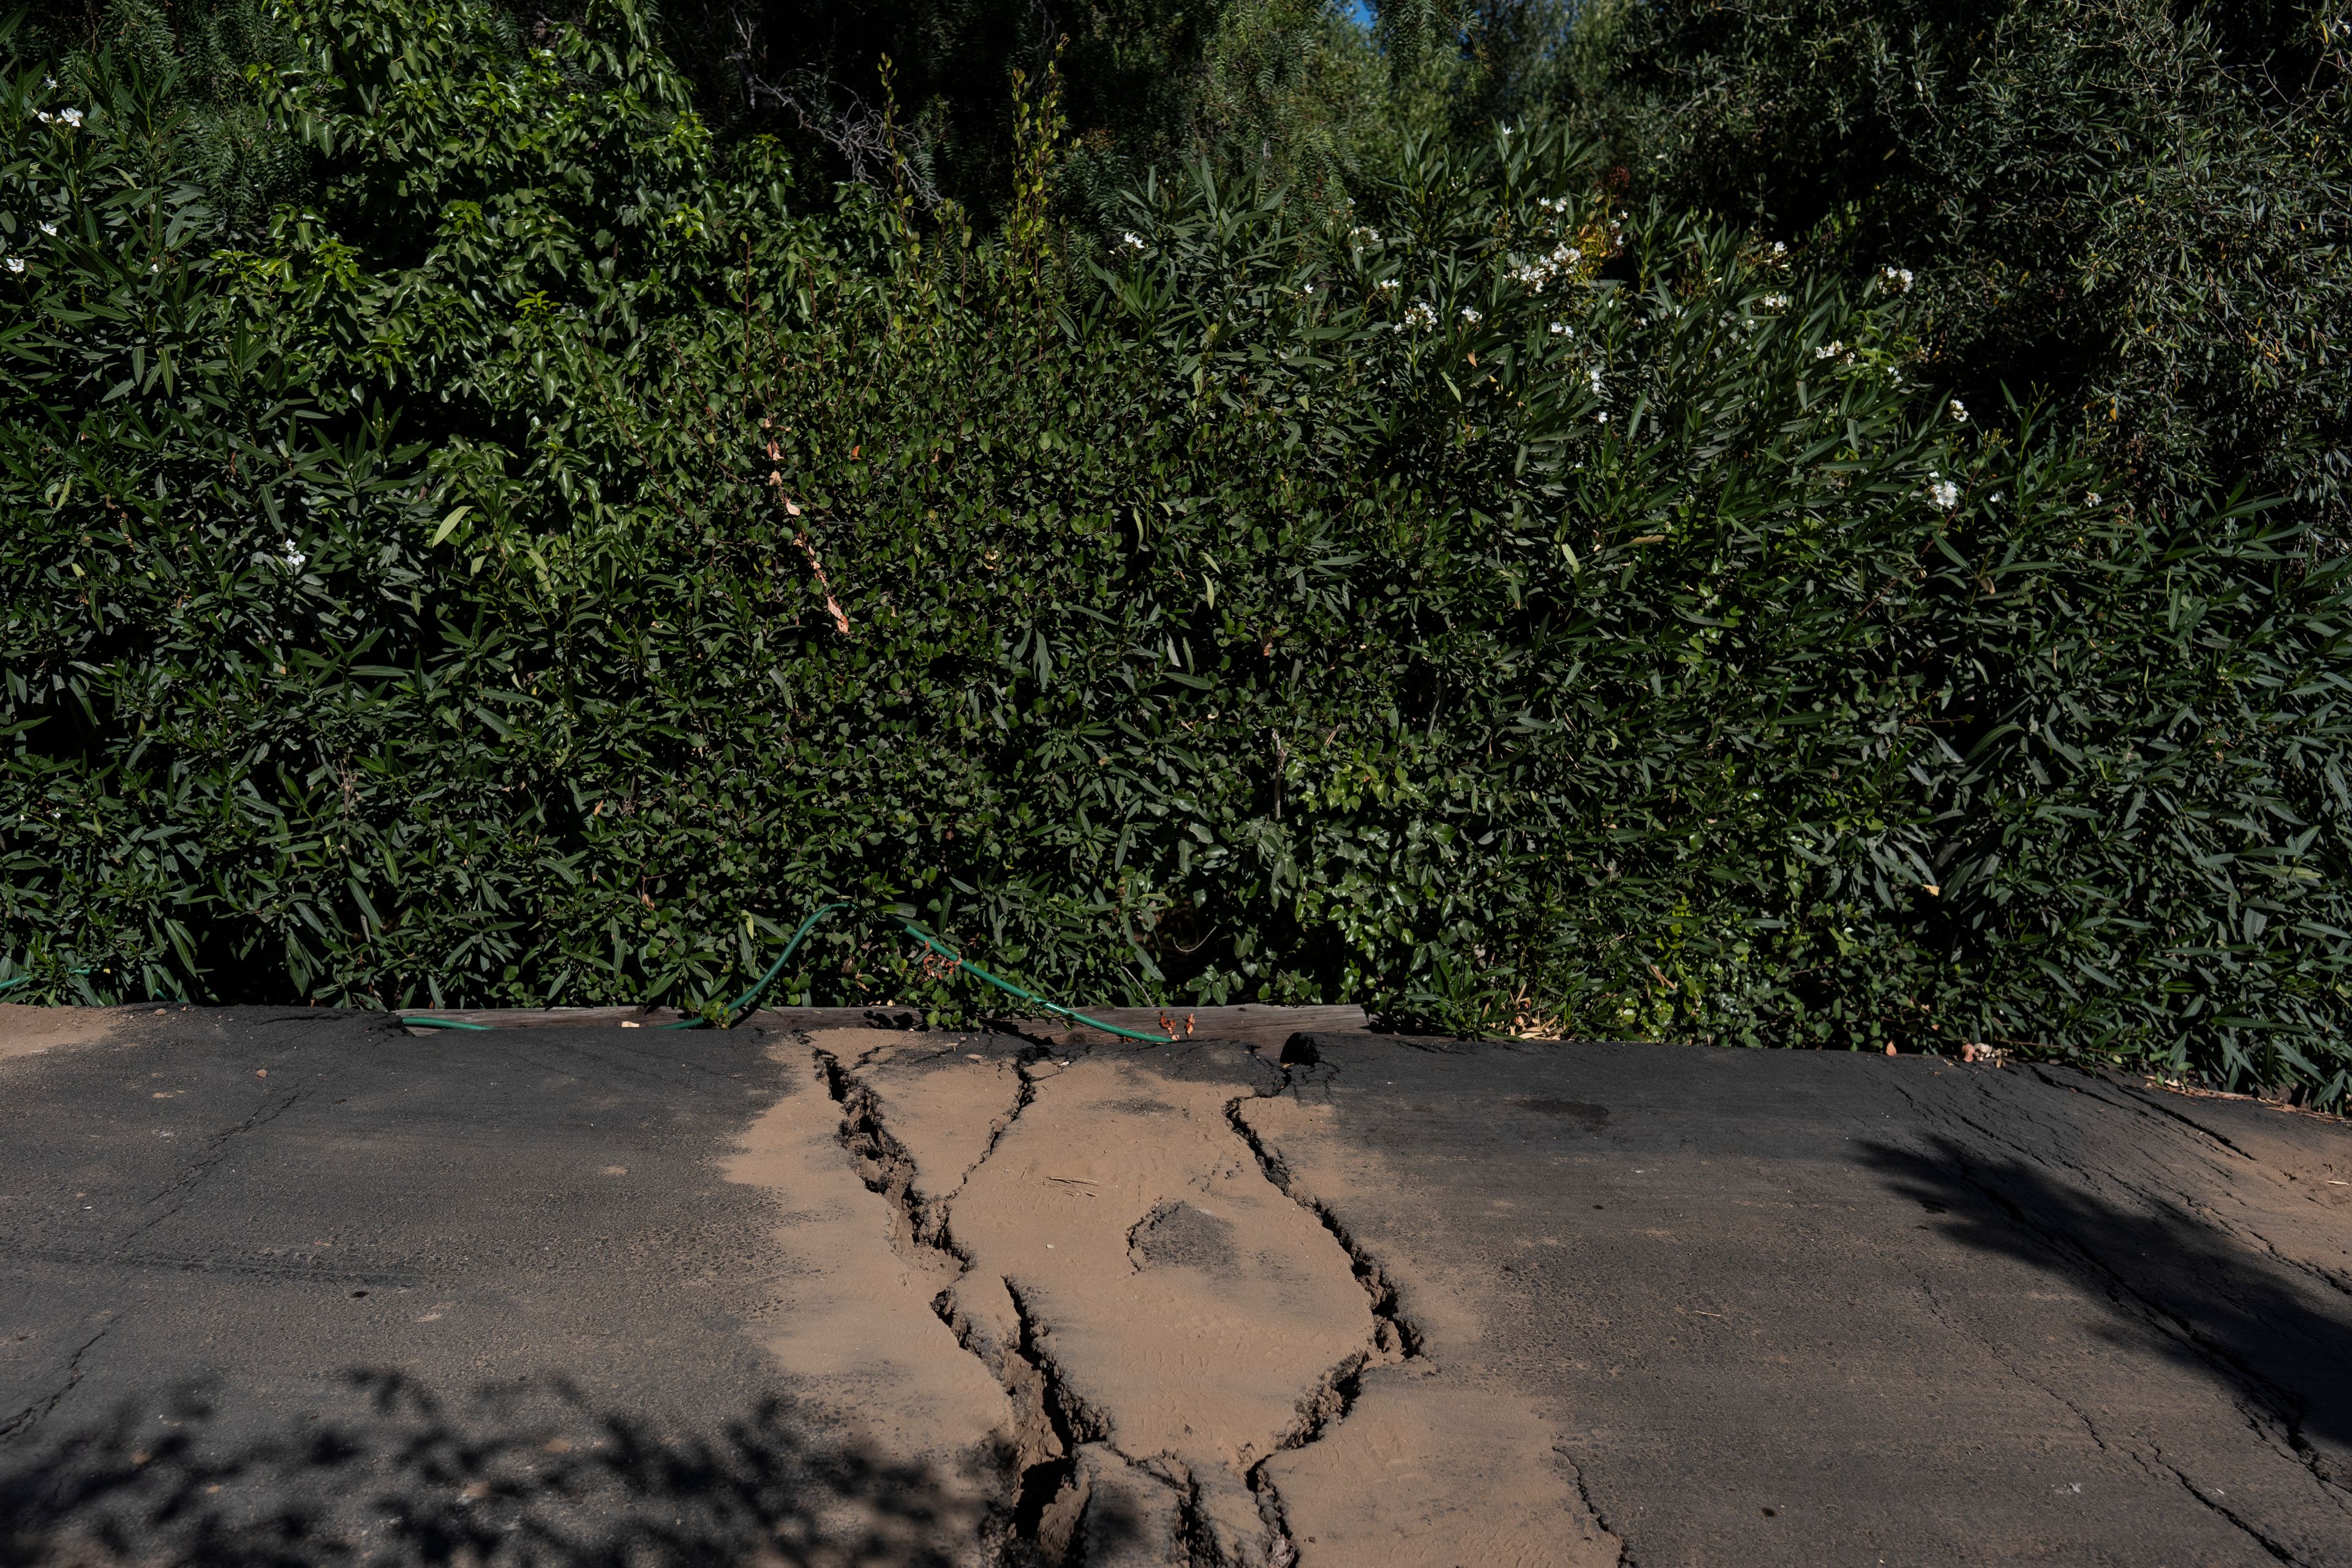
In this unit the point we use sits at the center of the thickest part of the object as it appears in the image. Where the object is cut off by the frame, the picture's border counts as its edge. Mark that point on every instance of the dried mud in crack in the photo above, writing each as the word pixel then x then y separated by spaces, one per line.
pixel 1089 1292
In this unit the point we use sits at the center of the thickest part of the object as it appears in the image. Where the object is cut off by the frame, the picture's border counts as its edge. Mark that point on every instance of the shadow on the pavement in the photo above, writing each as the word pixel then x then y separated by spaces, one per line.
pixel 517 1474
pixel 2174 1284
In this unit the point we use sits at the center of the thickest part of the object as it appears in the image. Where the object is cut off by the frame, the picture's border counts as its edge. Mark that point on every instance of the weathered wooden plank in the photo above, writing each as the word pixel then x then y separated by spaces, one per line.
pixel 548 1017
pixel 1252 1022
pixel 650 1017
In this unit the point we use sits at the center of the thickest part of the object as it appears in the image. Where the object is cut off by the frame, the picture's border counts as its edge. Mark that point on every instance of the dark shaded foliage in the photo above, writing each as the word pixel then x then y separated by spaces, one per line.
pixel 2141 209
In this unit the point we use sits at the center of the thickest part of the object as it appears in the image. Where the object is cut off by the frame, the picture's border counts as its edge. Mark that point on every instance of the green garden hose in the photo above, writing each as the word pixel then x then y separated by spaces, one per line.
pixel 928 940
pixel 744 1003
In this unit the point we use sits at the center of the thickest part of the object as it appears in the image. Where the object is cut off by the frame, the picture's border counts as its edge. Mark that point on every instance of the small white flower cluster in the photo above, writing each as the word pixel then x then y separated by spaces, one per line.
pixel 1533 275
pixel 1959 411
pixel 2091 499
pixel 1309 290
pixel 15 264
pixel 1593 375
pixel 1943 494
pixel 1899 276
pixel 1363 235
pixel 1779 254
pixel 1132 240
pixel 294 558
pixel 1386 285
pixel 69 118
pixel 1773 302
pixel 50 229
pixel 1421 313
pixel 1554 204
pixel 1471 316
pixel 1562 329
pixel 1832 350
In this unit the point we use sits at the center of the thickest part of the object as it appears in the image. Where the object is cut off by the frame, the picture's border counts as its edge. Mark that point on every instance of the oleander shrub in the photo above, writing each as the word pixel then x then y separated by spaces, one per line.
pixel 2141 209
pixel 559 551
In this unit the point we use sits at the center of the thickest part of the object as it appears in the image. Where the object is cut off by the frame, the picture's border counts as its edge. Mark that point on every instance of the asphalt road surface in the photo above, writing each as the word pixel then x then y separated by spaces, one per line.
pixel 299 1288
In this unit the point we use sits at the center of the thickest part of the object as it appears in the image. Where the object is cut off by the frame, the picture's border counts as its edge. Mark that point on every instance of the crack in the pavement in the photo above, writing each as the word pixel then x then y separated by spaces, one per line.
pixel 1270 1510
pixel 31 1415
pixel 1071 1420
pixel 1054 1422
pixel 2132 1102
pixel 1050 1420
pixel 1625 1558
pixel 2276 1549
pixel 186 1182
pixel 1396 1337
pixel 887 1166
pixel 1192 1531
pixel 2156 1467
pixel 1022 1099
pixel 2181 1198
pixel 2273 1411
pixel 2150 1460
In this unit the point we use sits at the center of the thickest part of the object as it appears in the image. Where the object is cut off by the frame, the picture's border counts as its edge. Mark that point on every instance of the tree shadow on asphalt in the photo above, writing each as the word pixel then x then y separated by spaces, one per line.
pixel 2277 1338
pixel 523 1474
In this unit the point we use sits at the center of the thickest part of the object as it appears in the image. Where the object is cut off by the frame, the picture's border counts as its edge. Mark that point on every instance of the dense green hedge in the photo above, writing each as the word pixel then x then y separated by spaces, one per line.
pixel 559 553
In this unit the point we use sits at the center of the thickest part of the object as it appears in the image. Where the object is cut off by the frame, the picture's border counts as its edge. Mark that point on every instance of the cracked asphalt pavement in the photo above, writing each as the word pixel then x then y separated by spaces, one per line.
pixel 296 1286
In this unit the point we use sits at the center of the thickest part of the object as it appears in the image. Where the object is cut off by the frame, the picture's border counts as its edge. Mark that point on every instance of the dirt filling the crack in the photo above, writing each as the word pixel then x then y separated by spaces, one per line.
pixel 1161 1355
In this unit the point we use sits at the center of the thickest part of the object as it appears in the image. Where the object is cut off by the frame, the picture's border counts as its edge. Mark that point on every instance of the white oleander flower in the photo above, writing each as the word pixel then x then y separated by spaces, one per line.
pixel 49 82
pixel 1132 241
pixel 15 264
pixel 294 558
pixel 1898 276
pixel 2093 499
pixel 1601 417
pixel 1471 316
pixel 72 117
pixel 1562 329
pixel 1593 375
pixel 1942 494
pixel 1421 313
pixel 44 116
pixel 1775 302
pixel 50 229
pixel 1959 411
pixel 1533 275
pixel 1387 285
pixel 1830 350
